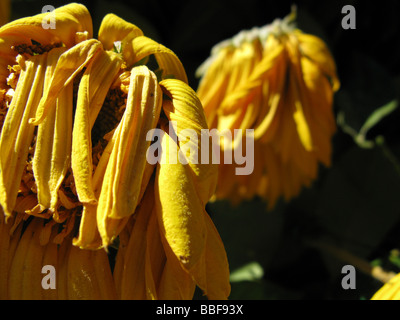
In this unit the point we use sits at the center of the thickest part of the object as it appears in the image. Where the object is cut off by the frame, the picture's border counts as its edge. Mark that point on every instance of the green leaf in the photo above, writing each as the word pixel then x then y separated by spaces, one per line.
pixel 377 116
pixel 249 272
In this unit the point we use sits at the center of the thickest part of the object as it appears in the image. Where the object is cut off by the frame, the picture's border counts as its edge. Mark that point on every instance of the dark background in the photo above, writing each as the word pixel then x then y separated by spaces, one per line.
pixel 354 206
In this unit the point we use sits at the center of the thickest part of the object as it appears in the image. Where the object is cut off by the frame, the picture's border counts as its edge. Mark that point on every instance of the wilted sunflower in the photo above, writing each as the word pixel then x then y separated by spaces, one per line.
pixel 280 82
pixel 74 179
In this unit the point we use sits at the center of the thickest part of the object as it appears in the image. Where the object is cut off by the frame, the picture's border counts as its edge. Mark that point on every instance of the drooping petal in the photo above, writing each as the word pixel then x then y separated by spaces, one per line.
pixel 17 133
pixel 133 275
pixel 68 19
pixel 246 89
pixel 113 29
pixel 269 111
pixel 122 181
pixel 106 66
pixel 25 281
pixel 179 208
pixel 89 275
pixel 53 142
pixel 68 66
pixel 81 157
pixel 175 282
pixel 166 59
pixel 10 232
pixel 155 258
pixel 186 110
pixel 89 236
pixel 213 84
pixel 217 268
pixel 92 91
pixel 316 50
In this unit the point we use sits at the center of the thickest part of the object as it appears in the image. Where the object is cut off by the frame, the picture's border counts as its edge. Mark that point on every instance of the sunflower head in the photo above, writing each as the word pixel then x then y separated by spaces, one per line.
pixel 279 82
pixel 74 176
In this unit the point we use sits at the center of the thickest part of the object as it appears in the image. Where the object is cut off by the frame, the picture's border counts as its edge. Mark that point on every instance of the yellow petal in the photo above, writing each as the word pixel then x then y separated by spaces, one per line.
pixel 69 65
pixel 186 110
pixel 17 133
pixel 122 181
pixel 212 86
pixel 388 290
pixel 155 258
pixel 133 276
pixel 89 236
pixel 82 283
pixel 179 208
pixel 269 111
pixel 8 243
pixel 68 19
pixel 175 282
pixel 316 50
pixel 255 81
pixel 303 129
pixel 113 29
pixel 32 276
pixel 104 275
pixel 105 68
pixel 28 250
pixel 217 268
pixel 81 157
pixel 62 270
pixel 93 89
pixel 166 59
pixel 53 142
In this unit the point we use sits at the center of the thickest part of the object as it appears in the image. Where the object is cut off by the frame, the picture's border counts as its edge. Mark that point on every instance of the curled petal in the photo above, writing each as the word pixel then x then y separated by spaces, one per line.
pixel 113 29
pixel 166 59
pixel 247 89
pixel 53 142
pixel 127 171
pixel 68 66
pixel 186 110
pixel 81 157
pixel 316 50
pixel 133 273
pixel 17 134
pixel 69 20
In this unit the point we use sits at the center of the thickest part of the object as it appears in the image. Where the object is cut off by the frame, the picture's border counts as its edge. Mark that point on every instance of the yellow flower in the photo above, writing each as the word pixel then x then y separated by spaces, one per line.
pixel 4 11
pixel 279 82
pixel 389 291
pixel 74 175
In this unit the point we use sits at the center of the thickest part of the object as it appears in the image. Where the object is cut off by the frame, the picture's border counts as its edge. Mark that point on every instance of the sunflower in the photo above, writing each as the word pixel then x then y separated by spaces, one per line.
pixel 279 82
pixel 75 182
